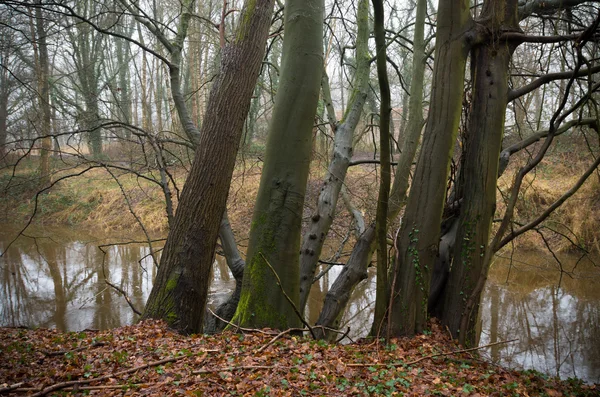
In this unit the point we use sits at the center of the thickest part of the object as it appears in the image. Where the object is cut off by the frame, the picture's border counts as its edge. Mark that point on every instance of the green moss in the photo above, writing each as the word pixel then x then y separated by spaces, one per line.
pixel 244 25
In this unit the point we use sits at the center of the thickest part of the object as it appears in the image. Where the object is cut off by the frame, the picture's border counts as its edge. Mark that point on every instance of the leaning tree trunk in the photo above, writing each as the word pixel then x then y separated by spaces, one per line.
pixel 322 217
pixel 181 286
pixel 271 276
pixel 419 234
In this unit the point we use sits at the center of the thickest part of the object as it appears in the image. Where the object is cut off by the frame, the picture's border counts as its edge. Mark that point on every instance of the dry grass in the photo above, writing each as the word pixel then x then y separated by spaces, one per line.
pixel 95 200
pixel 575 221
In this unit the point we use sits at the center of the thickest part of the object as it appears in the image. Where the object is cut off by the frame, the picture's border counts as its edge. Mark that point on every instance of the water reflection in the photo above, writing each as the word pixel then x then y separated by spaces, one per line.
pixel 54 278
pixel 57 280
pixel 556 324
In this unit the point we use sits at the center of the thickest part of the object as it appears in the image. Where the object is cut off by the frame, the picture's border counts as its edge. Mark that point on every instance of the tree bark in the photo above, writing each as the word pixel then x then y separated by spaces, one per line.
pixel 356 267
pixel 276 223
pixel 181 286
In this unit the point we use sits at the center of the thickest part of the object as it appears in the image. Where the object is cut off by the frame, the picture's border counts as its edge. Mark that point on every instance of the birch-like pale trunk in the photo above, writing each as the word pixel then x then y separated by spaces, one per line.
pixel 43 75
pixel 322 218
pixel 355 269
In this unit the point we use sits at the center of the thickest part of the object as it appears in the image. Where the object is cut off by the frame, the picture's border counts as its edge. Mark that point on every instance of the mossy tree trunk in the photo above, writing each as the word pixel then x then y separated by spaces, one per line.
pixel 276 224
pixel 181 286
pixel 419 234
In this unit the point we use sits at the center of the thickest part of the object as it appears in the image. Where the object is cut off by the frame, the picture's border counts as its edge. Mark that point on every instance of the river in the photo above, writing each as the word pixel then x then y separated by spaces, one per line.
pixel 54 277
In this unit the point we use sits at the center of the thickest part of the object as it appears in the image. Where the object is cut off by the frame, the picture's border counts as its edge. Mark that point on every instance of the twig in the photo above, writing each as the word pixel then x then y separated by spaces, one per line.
pixel 243 367
pixel 429 357
pixel 279 335
pixel 120 290
pixel 238 327
pixel 80 348
pixel 62 385
pixel 99 387
pixel 306 324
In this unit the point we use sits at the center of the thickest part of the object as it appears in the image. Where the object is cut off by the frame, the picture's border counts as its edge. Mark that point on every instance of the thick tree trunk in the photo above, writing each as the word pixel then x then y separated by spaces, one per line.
pixel 490 62
pixel 419 235
pixel 276 224
pixel 181 286
pixel 322 218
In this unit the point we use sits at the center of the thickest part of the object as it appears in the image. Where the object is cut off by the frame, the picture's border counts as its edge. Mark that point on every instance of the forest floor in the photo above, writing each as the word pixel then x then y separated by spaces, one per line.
pixel 149 359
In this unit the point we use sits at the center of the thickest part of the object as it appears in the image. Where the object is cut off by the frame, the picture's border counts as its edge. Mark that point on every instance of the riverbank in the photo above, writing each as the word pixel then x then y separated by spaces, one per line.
pixel 149 359
pixel 117 201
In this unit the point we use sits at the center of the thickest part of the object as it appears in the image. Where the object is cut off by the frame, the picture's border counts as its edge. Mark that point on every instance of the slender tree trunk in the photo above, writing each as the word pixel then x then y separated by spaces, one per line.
pixel 275 234
pixel 181 286
pixel 355 269
pixel 43 76
pixel 382 294
pixel 419 235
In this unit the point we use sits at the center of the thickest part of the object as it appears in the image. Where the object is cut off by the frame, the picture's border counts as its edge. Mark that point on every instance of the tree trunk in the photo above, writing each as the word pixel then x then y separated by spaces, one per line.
pixel 43 75
pixel 181 286
pixel 277 220
pixel 490 62
pixel 381 298
pixel 419 235
pixel 356 267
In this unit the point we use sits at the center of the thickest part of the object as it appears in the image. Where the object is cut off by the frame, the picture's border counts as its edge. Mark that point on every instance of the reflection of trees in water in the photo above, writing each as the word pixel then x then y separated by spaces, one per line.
pixel 51 284
pixel 16 284
pixel 557 332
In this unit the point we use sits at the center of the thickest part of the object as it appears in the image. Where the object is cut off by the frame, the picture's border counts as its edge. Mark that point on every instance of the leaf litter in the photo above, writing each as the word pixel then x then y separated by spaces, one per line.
pixel 148 359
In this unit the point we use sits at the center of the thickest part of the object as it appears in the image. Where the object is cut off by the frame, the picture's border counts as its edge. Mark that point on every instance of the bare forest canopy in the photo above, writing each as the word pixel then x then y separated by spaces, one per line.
pixel 404 135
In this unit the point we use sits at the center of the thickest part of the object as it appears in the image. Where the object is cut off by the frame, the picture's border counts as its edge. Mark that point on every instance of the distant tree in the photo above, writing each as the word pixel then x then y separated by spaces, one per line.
pixel 42 71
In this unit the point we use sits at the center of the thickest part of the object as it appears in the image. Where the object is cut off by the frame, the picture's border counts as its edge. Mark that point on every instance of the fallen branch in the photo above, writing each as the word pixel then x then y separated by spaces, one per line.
pixel 62 385
pixel 306 324
pixel 428 357
pixel 99 387
pixel 240 368
pixel 15 386
pixel 279 335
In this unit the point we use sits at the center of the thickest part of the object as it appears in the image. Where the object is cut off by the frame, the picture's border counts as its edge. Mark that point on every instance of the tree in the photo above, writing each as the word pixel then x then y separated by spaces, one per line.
pixel 491 40
pixel 271 276
pixel 179 292
pixel 43 75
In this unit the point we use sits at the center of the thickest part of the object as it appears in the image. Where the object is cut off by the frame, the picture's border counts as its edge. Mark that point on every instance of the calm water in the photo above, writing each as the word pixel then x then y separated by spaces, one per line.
pixel 55 278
